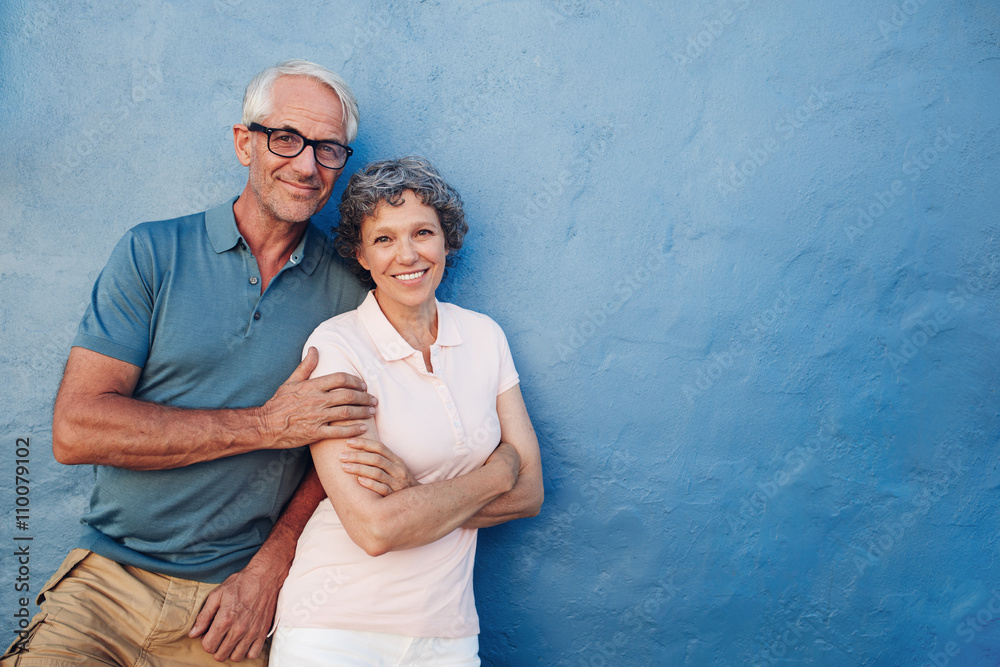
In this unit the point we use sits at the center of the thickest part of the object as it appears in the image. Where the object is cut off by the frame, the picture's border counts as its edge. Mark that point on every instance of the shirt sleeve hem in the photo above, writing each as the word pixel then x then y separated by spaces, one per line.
pixel 509 384
pixel 110 349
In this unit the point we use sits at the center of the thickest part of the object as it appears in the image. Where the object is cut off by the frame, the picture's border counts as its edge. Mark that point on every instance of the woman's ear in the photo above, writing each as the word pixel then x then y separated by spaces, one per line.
pixel 360 256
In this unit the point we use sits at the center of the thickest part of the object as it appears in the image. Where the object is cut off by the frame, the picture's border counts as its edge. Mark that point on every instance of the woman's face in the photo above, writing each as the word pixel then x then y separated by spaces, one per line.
pixel 403 247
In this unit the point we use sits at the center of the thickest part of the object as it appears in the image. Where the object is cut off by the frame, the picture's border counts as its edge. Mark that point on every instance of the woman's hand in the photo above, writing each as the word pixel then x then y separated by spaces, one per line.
pixel 377 467
pixel 379 518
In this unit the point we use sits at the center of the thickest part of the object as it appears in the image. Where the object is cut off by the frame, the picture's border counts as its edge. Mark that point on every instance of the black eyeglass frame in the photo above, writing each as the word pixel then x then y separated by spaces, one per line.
pixel 257 127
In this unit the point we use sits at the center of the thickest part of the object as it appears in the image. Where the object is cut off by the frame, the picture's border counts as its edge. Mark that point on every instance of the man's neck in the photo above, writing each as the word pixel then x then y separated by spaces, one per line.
pixel 271 241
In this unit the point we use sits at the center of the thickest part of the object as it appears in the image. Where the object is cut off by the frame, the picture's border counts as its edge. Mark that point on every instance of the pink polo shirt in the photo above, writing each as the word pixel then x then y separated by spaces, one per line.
pixel 442 424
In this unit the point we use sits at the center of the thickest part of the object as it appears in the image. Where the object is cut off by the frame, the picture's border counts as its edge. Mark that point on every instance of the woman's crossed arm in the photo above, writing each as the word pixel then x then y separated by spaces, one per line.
pixel 508 486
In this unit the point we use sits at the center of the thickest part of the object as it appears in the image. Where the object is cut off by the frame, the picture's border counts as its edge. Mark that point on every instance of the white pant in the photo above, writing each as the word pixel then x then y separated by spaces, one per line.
pixel 300 647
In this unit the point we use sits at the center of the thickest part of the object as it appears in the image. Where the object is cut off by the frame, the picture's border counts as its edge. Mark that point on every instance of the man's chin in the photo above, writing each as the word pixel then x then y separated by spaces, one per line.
pixel 297 212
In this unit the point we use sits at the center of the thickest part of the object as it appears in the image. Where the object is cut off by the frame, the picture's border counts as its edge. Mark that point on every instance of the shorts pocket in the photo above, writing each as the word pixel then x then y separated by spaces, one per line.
pixel 74 558
pixel 24 636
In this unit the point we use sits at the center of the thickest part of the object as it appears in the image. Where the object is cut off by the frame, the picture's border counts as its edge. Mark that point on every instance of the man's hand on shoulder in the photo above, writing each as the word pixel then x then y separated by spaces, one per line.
pixel 304 410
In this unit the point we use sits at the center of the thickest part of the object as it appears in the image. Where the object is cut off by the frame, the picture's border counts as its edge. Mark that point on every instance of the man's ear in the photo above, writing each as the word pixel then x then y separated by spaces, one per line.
pixel 242 141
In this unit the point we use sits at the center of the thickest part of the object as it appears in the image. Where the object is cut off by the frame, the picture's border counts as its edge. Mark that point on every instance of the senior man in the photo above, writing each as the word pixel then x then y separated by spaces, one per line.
pixel 174 391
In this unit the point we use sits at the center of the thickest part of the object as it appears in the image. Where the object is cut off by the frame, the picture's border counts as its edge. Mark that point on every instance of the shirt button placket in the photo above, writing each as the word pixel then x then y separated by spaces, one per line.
pixel 253 289
pixel 256 296
pixel 452 411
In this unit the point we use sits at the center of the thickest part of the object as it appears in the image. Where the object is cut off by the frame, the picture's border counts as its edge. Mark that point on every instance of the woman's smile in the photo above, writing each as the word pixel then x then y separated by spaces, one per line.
pixel 404 249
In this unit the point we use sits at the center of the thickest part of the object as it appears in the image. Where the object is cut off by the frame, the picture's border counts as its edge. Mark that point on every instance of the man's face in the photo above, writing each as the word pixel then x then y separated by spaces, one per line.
pixel 291 190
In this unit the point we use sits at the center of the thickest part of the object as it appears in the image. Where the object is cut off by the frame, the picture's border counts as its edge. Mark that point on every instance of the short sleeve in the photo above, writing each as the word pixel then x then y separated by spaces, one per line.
pixel 508 373
pixel 335 355
pixel 118 318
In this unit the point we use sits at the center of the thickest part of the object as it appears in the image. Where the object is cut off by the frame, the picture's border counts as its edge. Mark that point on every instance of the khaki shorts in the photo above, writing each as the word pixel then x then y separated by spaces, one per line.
pixel 94 611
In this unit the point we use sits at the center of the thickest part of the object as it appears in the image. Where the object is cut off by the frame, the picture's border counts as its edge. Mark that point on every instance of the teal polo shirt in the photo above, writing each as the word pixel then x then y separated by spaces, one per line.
pixel 181 299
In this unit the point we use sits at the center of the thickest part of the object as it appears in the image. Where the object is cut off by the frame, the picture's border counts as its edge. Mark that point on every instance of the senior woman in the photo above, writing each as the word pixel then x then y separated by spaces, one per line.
pixel 388 580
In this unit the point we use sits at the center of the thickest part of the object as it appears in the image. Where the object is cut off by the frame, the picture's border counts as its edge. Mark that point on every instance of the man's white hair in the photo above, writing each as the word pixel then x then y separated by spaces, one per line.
pixel 258 102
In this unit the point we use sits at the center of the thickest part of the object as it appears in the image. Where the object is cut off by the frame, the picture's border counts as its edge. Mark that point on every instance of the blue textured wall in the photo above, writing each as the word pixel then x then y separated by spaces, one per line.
pixel 747 255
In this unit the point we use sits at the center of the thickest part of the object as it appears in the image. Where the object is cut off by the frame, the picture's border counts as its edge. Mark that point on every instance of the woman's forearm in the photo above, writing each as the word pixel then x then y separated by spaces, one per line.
pixel 417 515
pixel 523 501
pixel 423 514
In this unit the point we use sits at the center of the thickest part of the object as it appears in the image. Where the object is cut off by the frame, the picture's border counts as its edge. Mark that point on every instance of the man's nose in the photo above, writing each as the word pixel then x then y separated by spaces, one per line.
pixel 305 162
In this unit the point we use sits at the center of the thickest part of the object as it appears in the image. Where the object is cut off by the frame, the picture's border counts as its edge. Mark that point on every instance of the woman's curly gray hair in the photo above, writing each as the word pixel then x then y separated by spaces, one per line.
pixel 385 181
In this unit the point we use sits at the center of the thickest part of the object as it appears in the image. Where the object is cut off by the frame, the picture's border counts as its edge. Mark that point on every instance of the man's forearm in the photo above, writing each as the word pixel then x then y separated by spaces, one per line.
pixel 124 432
pixel 278 550
pixel 237 615
pixel 97 421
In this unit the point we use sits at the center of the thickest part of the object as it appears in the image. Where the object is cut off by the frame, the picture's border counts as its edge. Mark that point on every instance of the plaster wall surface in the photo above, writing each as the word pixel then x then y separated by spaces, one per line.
pixel 746 254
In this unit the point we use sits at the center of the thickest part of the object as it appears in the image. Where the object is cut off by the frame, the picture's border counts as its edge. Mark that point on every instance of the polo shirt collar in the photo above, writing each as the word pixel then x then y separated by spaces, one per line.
pixel 221 225
pixel 390 344
pixel 220 222
pixel 309 253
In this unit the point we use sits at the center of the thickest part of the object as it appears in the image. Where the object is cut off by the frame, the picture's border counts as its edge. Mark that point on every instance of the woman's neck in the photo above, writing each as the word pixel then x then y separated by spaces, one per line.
pixel 418 325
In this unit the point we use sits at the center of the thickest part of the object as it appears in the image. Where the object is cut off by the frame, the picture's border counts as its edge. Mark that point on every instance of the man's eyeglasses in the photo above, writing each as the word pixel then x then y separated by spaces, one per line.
pixel 286 143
